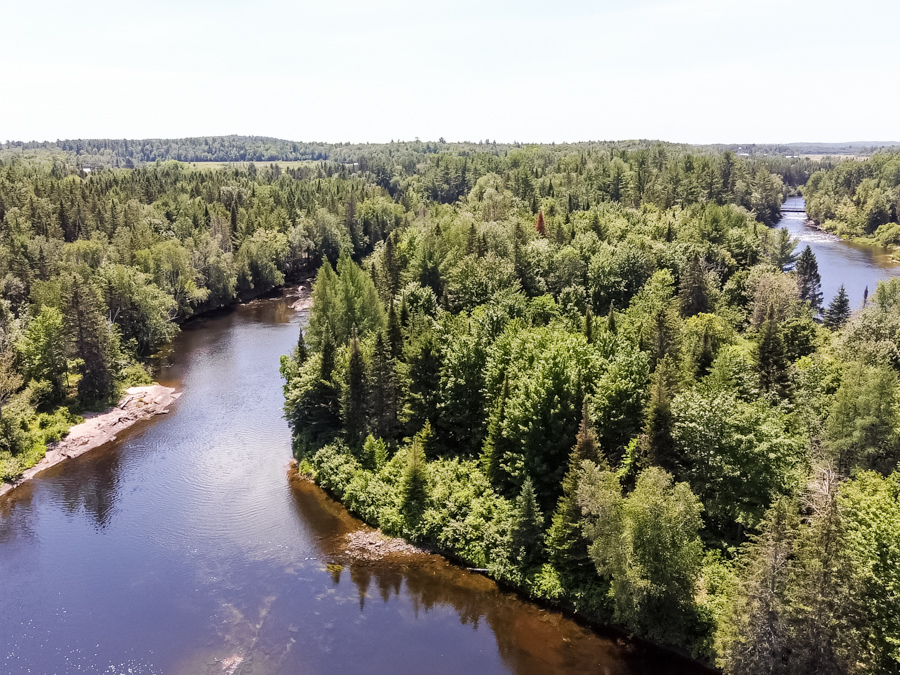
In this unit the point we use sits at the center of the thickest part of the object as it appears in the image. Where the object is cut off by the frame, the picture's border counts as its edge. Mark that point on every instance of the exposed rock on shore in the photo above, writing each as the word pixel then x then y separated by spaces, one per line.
pixel 101 428
pixel 373 545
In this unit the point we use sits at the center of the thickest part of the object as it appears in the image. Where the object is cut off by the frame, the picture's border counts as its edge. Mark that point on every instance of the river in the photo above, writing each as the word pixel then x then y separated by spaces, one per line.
pixel 184 548
pixel 856 266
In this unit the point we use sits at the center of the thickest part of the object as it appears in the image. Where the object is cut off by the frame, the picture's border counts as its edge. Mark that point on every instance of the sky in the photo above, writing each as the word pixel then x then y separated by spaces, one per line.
pixel 694 71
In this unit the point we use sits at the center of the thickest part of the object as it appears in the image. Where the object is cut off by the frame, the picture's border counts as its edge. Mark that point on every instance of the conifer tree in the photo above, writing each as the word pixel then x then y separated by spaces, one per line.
pixel 693 292
pixel 773 364
pixel 91 342
pixel 567 548
pixel 528 526
pixel 540 225
pixel 589 326
pixel 838 311
pixel 611 318
pixel 383 390
pixel 395 333
pixel 302 351
pixel 809 283
pixel 391 265
pixel 660 447
pixel 354 404
pixel 492 453
pixel 414 482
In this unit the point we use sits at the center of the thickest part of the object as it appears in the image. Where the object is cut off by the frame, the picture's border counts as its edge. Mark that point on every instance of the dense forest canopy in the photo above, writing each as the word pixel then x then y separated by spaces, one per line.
pixel 593 369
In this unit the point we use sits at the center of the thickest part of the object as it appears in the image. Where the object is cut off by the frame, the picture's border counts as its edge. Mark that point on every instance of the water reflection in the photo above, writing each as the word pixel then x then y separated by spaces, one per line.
pixel 185 549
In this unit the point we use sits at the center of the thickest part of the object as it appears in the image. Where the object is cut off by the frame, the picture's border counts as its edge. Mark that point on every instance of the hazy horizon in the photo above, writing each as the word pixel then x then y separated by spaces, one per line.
pixel 685 71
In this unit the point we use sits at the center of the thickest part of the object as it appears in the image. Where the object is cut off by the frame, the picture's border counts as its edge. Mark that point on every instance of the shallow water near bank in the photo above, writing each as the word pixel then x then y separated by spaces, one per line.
pixel 184 547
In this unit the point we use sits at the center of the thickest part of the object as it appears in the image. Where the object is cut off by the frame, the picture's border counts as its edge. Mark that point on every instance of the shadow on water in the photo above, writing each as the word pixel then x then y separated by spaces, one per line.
pixel 184 548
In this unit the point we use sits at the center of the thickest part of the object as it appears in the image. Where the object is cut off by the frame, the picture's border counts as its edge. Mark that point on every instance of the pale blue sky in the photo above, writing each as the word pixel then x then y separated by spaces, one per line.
pixel 696 71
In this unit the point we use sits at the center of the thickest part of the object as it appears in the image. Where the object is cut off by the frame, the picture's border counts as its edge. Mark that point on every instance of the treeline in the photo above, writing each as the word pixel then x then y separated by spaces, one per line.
pixel 97 270
pixel 638 410
pixel 858 198
pixel 98 267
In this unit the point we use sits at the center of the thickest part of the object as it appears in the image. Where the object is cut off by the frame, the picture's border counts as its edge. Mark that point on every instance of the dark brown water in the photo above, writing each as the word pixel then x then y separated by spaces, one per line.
pixel 184 548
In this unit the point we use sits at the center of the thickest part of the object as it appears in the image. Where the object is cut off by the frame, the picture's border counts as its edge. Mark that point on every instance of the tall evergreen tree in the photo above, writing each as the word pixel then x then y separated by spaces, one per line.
pixel 773 363
pixel 659 445
pixel 91 339
pixel 302 351
pixel 567 547
pixel 492 453
pixel 589 325
pixel 395 332
pixel 528 526
pixel 383 388
pixel 838 311
pixel 809 283
pixel 354 404
pixel 693 293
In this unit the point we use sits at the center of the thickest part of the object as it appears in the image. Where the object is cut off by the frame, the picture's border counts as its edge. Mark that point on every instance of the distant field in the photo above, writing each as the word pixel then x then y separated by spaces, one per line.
pixel 222 165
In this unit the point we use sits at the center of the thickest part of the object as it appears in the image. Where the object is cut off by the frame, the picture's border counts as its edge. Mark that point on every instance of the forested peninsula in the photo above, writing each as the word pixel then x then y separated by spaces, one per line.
pixel 595 370
pixel 858 199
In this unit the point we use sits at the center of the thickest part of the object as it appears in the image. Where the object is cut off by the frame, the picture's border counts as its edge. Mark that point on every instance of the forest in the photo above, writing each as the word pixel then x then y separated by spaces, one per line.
pixel 595 370
pixel 858 199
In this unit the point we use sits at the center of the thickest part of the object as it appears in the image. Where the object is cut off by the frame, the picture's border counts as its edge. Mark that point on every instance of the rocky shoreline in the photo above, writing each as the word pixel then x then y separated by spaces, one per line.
pixel 101 428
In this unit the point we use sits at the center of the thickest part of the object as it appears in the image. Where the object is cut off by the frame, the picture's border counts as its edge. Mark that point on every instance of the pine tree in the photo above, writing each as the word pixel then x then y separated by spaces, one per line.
pixel 611 318
pixel 773 364
pixel 809 283
pixel 528 526
pixel 354 404
pixel 838 311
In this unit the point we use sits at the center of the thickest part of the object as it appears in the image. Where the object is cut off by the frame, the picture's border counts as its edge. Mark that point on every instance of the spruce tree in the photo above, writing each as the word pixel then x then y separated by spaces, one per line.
pixel 395 332
pixel 659 445
pixel 528 526
pixel 391 265
pixel 354 404
pixel 414 481
pixel 589 326
pixel 567 547
pixel 302 351
pixel 492 453
pixel 809 283
pixel 383 391
pixel 91 340
pixel 773 364
pixel 838 311
pixel 693 293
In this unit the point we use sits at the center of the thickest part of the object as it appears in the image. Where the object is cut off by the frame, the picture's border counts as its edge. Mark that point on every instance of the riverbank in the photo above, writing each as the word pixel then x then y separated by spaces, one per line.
pixel 98 429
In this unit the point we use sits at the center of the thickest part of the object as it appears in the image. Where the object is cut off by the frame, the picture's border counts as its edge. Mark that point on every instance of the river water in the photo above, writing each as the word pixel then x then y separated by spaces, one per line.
pixel 856 266
pixel 184 548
